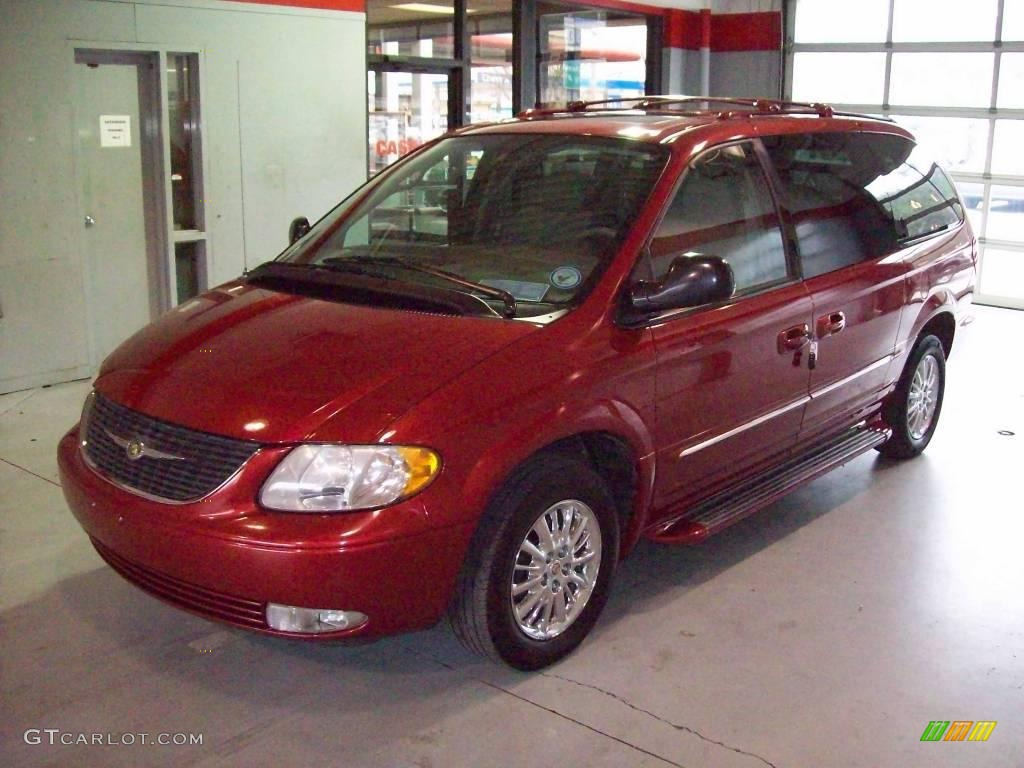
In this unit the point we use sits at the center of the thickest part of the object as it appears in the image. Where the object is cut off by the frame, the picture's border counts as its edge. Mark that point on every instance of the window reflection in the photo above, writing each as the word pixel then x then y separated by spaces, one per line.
pixel 406 109
pixel 183 107
pixel 724 209
pixel 855 197
pixel 187 269
pixel 491 62
pixel 591 55
pixel 410 29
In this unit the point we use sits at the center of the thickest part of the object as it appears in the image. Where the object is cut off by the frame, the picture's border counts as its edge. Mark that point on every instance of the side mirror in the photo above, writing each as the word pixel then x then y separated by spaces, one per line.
pixel 298 229
pixel 689 282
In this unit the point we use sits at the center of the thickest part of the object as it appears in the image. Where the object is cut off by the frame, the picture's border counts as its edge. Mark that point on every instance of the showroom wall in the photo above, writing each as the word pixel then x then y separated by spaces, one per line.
pixel 284 128
pixel 283 105
pixel 743 39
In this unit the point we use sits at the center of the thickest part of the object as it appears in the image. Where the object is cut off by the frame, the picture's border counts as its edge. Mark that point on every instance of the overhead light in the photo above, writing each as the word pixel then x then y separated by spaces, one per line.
pixel 443 10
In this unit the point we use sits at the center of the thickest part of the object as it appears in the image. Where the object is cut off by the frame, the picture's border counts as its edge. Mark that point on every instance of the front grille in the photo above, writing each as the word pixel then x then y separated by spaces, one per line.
pixel 173 463
pixel 216 605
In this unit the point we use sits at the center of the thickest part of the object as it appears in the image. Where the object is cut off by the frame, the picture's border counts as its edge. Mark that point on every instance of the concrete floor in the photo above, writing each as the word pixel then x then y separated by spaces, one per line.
pixel 826 631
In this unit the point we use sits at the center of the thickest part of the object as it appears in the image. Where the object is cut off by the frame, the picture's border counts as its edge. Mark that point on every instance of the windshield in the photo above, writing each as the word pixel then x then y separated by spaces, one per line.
pixel 524 223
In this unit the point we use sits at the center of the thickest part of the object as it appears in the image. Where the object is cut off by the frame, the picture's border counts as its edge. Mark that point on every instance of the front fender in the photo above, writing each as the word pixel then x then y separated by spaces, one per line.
pixel 515 446
pixel 580 374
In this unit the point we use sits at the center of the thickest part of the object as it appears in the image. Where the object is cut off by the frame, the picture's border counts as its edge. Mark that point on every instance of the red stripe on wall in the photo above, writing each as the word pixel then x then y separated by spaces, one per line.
pixel 682 29
pixel 356 6
pixel 746 31
pixel 729 32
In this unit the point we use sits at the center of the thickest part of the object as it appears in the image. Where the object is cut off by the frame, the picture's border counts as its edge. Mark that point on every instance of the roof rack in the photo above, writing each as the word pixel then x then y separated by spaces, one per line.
pixel 669 104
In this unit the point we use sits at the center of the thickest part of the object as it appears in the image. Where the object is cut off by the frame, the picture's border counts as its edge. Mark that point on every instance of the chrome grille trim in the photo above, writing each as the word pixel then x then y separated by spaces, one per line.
pixel 202 462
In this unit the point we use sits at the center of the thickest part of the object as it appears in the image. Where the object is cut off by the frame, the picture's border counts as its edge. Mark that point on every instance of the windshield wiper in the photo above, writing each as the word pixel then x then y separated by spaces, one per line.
pixel 324 281
pixel 506 298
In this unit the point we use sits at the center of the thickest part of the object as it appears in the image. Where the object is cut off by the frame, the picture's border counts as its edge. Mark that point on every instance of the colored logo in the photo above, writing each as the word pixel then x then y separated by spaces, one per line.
pixel 958 730
pixel 135 449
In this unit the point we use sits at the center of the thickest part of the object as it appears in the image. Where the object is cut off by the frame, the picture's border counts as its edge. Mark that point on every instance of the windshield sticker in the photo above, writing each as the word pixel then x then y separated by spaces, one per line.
pixel 522 291
pixel 566 278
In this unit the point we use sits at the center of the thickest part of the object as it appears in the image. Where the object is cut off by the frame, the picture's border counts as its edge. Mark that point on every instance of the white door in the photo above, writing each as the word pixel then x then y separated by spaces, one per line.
pixel 110 162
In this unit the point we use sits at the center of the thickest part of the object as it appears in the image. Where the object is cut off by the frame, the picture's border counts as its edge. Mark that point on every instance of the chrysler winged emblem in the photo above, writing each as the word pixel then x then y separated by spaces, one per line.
pixel 135 449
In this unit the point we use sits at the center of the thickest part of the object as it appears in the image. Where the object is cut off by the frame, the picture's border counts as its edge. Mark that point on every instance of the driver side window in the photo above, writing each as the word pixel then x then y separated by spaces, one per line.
pixel 724 208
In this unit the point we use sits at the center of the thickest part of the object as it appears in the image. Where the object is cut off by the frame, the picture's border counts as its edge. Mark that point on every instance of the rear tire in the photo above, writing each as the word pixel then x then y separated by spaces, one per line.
pixel 913 411
pixel 540 566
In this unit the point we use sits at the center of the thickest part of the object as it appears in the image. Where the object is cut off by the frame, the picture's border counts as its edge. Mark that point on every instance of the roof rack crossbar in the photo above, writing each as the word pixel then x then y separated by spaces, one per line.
pixel 659 104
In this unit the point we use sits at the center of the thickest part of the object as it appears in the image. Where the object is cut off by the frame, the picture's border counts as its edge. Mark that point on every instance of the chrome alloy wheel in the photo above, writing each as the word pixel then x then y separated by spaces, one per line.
pixel 556 569
pixel 923 397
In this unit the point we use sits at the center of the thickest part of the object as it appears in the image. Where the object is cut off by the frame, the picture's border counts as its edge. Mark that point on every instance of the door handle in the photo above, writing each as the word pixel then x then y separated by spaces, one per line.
pixel 794 339
pixel 831 324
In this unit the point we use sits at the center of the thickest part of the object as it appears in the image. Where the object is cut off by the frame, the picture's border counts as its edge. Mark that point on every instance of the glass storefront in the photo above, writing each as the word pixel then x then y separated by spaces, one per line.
pixel 490 78
pixel 183 126
pixel 591 55
pixel 431 69
pixel 410 29
pixel 405 110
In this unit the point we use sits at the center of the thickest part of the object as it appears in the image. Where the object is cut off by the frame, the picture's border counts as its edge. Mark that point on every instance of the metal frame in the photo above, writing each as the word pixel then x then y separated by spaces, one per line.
pixel 655 34
pixel 525 71
pixel 200 236
pixel 156 165
pixel 990 113
pixel 524 55
pixel 456 69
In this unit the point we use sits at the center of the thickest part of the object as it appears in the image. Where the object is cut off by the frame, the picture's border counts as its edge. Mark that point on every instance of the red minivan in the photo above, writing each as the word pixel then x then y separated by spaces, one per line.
pixel 471 388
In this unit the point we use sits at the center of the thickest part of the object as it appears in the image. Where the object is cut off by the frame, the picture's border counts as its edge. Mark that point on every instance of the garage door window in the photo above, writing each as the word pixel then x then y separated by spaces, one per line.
pixel 950 72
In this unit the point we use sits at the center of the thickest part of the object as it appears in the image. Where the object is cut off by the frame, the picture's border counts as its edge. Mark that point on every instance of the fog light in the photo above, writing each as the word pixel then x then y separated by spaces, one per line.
pixel 289 618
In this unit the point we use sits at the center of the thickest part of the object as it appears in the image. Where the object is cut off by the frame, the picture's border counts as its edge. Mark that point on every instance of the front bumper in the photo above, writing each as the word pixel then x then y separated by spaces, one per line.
pixel 225 558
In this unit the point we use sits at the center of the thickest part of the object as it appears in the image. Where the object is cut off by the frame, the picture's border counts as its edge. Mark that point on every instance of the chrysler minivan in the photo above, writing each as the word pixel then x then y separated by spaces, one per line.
pixel 469 390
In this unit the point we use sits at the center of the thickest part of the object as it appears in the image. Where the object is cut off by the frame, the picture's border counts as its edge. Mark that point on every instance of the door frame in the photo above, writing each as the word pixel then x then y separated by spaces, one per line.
pixel 157 193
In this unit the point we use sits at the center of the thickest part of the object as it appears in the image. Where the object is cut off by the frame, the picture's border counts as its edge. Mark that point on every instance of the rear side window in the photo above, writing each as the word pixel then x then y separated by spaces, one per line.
pixel 724 208
pixel 859 196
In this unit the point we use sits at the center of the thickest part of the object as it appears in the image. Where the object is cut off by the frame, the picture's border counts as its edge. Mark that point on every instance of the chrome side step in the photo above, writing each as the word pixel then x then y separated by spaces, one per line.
pixel 737 502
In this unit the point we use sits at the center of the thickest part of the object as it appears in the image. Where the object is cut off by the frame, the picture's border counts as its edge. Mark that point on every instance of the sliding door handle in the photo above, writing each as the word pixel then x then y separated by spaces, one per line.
pixel 830 324
pixel 794 339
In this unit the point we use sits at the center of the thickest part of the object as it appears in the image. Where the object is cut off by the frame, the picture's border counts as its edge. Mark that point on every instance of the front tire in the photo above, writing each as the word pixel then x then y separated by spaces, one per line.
pixel 913 411
pixel 540 566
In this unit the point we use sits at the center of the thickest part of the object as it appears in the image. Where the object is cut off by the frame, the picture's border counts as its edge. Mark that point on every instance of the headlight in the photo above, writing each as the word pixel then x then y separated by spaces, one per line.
pixel 335 478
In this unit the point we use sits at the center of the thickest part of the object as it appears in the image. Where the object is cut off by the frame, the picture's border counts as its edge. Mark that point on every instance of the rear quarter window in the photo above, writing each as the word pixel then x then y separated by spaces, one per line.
pixel 859 196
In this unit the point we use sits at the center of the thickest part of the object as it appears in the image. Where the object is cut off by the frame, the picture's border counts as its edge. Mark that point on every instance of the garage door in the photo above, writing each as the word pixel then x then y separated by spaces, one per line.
pixel 952 72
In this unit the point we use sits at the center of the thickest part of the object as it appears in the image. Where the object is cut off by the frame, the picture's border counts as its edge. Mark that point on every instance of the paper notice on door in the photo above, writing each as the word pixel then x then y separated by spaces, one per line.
pixel 115 130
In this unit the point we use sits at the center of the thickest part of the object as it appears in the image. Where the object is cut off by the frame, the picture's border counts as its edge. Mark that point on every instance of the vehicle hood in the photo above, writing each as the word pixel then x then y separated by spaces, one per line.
pixel 252 363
